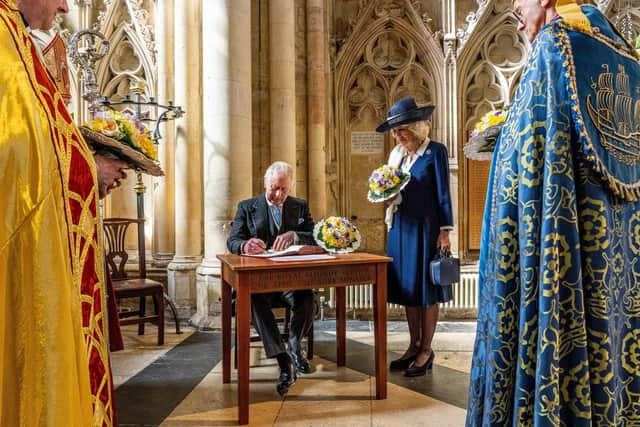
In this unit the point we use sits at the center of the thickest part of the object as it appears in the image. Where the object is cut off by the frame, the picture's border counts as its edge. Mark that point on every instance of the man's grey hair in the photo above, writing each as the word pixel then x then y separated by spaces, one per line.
pixel 277 168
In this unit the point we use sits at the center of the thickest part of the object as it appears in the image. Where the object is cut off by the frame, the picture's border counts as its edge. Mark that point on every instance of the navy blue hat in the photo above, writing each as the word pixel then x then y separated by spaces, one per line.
pixel 403 112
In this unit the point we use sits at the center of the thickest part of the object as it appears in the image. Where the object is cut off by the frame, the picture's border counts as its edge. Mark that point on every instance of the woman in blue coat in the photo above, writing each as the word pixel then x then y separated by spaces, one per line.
pixel 419 221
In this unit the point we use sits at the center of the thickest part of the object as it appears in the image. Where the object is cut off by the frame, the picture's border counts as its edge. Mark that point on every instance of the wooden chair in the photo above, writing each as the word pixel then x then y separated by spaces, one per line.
pixel 115 230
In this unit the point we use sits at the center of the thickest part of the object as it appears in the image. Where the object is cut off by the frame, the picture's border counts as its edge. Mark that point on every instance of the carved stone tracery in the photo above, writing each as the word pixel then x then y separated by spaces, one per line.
pixel 129 59
pixel 135 13
pixel 488 83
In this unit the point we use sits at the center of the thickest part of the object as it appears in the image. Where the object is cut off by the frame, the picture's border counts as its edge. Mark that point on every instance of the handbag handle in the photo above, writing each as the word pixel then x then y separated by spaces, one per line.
pixel 444 254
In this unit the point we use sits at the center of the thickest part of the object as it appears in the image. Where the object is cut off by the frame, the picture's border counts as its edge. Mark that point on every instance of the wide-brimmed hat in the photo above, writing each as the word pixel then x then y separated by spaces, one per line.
pixel 125 152
pixel 403 112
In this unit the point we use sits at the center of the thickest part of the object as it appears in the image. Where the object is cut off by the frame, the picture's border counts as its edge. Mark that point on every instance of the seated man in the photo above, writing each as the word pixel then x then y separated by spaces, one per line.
pixel 273 220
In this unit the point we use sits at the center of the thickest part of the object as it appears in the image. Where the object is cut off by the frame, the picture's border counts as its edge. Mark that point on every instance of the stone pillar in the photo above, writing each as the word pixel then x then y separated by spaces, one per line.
pixel 451 110
pixel 163 246
pixel 181 271
pixel 450 82
pixel 226 99
pixel 316 107
pixel 282 81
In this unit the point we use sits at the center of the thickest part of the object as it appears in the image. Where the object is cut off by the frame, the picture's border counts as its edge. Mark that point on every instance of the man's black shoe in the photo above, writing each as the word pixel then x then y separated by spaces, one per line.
pixel 301 363
pixel 288 374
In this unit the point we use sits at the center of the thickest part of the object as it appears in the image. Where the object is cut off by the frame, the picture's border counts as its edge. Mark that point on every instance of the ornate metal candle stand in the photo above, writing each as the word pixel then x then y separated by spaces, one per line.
pixel 85 48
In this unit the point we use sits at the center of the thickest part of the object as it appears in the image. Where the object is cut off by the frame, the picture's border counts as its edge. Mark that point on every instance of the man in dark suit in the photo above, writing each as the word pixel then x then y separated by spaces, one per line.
pixel 273 220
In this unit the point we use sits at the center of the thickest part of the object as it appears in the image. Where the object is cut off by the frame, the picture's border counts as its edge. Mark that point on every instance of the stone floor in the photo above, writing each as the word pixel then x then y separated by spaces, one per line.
pixel 180 383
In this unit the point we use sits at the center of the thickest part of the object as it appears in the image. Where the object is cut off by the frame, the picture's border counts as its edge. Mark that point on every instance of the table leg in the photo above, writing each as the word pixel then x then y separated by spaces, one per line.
pixel 380 321
pixel 226 332
pixel 243 309
pixel 341 318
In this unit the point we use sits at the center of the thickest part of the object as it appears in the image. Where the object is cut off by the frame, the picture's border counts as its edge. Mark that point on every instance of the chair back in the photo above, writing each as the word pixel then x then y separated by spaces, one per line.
pixel 115 232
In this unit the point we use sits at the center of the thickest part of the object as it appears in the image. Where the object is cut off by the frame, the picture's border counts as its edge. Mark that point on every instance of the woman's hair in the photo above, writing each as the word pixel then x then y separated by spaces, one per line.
pixel 419 129
pixel 276 168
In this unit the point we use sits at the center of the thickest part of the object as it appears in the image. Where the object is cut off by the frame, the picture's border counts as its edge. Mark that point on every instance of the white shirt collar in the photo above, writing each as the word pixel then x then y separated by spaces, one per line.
pixel 423 147
pixel 271 204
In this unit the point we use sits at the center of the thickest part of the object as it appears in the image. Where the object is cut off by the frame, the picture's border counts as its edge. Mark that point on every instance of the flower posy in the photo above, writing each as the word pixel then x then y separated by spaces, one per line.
pixel 492 118
pixel 384 178
pixel 485 134
pixel 336 234
pixel 126 129
pixel 385 182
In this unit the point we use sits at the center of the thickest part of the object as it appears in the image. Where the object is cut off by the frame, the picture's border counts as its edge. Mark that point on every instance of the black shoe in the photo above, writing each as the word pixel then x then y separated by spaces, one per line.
pixel 402 364
pixel 288 374
pixel 418 371
pixel 301 363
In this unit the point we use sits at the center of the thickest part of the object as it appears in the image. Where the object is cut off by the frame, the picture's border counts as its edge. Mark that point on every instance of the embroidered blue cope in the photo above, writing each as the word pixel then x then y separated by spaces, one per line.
pixel 558 339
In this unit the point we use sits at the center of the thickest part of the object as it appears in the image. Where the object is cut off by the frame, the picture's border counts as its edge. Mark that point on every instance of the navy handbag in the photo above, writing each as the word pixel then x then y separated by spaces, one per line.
pixel 444 269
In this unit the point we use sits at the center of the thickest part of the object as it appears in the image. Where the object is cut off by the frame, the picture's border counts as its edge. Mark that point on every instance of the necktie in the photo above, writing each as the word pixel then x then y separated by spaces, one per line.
pixel 277 216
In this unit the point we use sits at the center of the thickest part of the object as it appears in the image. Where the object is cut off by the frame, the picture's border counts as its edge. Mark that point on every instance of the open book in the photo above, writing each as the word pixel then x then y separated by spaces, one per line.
pixel 291 250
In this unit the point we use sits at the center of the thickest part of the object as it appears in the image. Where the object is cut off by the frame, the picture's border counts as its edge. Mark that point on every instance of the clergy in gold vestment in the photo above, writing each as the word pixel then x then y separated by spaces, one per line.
pixel 54 366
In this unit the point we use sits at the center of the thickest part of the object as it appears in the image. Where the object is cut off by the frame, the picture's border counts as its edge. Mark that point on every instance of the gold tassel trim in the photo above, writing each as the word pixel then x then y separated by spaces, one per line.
pixel 573 15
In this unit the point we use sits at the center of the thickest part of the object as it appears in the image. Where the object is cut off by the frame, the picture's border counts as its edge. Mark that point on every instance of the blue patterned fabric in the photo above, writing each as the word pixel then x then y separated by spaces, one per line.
pixel 425 207
pixel 558 339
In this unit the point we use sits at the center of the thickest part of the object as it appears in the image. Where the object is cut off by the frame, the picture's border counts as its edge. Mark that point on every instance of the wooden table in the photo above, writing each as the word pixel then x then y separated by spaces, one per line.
pixel 258 275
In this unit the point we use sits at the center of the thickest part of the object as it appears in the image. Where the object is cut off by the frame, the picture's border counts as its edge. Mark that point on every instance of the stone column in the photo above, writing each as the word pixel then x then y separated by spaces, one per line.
pixel 316 103
pixel 163 247
pixel 226 104
pixel 451 110
pixel 181 271
pixel 282 81
pixel 450 81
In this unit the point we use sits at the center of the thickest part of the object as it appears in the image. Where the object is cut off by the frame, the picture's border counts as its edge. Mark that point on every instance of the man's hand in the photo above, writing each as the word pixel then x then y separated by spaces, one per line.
pixel 283 241
pixel 254 246
pixel 443 240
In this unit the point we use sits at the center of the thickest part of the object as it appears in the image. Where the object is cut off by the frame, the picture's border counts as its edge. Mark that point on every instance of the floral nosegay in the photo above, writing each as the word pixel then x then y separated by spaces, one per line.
pixel 385 182
pixel 485 134
pixel 124 128
pixel 126 137
pixel 336 235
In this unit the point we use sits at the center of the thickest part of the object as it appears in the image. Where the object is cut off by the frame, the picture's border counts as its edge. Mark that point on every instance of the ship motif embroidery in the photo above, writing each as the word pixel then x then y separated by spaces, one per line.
pixel 616 116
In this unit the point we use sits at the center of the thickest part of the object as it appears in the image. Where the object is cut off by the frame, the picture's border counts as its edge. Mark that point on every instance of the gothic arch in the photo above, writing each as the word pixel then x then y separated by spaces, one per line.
pixel 391 42
pixel 130 56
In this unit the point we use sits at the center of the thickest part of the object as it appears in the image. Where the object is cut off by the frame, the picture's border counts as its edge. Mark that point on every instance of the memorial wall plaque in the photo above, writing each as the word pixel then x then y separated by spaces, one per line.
pixel 366 143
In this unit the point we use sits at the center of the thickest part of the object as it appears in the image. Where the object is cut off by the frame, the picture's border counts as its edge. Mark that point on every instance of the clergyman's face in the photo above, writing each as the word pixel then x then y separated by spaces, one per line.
pixel 110 173
pixel 40 14
pixel 277 188
pixel 531 16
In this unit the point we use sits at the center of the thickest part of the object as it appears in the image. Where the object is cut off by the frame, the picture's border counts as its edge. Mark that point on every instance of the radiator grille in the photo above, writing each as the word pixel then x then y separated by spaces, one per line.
pixel 465 295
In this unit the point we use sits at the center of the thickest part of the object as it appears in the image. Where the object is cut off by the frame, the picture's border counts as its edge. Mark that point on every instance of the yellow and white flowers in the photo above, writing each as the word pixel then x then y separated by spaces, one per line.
pixel 126 129
pixel 492 118
pixel 385 182
pixel 485 134
pixel 337 235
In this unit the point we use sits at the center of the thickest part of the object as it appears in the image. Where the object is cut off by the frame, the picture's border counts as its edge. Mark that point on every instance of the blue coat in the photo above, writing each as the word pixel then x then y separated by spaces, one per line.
pixel 425 207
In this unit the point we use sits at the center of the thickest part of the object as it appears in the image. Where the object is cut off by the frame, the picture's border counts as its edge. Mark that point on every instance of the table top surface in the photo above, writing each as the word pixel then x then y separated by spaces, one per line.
pixel 239 263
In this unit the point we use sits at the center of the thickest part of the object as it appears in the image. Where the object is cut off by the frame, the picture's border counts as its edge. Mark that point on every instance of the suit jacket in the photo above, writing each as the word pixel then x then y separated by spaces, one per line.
pixel 253 219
